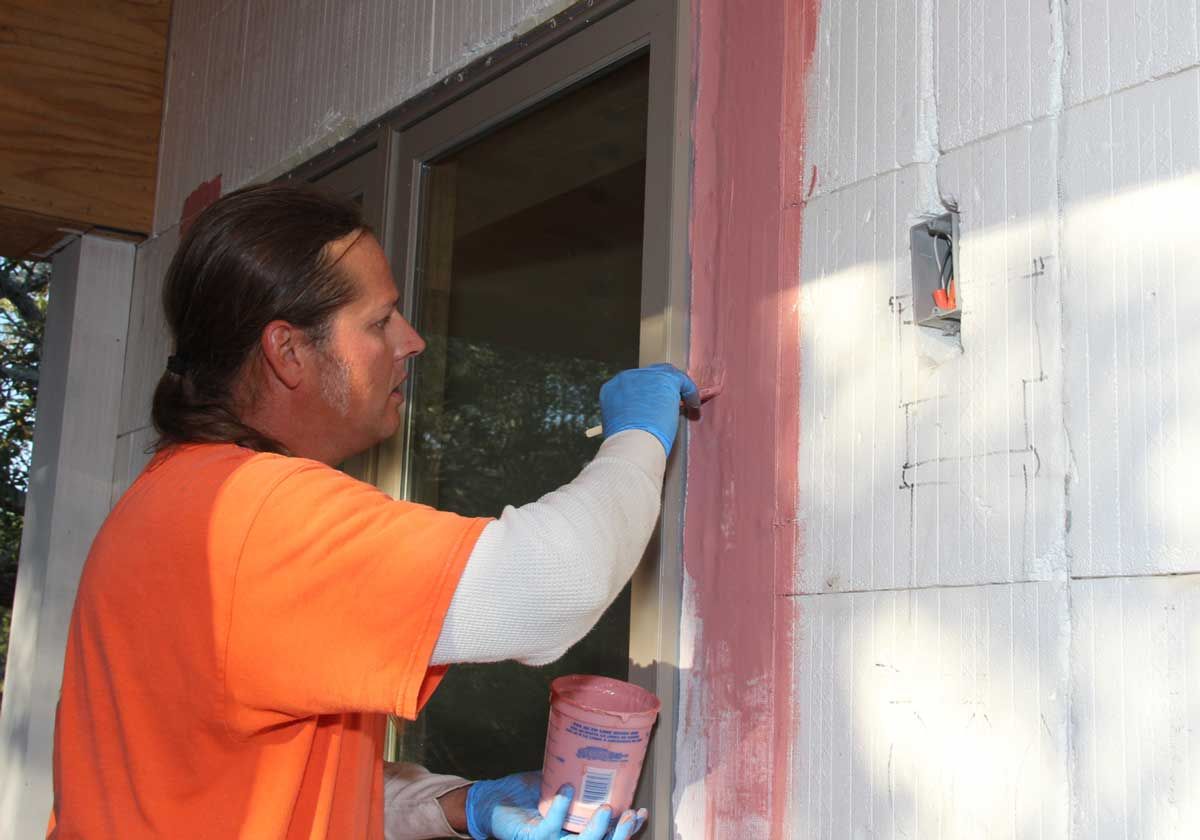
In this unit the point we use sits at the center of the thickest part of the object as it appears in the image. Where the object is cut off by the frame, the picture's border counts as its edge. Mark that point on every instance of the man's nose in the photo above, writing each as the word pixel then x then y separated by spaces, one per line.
pixel 410 342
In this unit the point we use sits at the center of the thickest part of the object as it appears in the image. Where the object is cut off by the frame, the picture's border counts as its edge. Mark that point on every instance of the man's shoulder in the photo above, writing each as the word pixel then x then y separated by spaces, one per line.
pixel 196 459
pixel 189 500
pixel 227 489
pixel 191 476
pixel 200 462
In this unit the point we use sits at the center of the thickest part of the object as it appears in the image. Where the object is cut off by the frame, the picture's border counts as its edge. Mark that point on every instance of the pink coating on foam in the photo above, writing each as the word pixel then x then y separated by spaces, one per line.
pixel 740 545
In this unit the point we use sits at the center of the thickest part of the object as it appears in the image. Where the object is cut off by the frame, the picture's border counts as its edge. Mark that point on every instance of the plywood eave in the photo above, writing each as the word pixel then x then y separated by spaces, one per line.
pixel 82 83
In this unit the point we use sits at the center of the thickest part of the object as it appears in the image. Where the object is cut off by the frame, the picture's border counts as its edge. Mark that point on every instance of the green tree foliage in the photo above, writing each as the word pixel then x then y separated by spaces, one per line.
pixel 24 290
pixel 499 425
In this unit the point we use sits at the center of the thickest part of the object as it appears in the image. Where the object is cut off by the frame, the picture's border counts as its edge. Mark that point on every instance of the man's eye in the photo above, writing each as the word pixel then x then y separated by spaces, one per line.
pixel 383 323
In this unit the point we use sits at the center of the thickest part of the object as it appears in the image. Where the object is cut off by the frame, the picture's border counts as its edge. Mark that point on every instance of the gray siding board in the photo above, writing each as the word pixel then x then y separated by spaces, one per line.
pixel 69 491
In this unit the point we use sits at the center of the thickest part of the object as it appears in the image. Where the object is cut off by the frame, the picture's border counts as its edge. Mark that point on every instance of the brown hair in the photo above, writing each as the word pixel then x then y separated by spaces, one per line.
pixel 256 255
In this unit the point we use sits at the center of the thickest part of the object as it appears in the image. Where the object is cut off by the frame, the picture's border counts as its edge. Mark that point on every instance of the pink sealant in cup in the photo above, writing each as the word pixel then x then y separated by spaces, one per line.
pixel 596 741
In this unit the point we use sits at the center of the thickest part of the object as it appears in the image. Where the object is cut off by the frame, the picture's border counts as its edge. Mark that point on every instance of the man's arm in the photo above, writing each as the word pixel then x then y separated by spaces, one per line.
pixel 454 806
pixel 419 805
pixel 542 574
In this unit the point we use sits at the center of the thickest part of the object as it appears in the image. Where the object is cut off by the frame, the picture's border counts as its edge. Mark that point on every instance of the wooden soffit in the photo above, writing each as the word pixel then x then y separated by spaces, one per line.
pixel 82 87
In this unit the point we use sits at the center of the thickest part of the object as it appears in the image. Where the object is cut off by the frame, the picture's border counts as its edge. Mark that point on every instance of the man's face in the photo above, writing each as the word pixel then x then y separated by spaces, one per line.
pixel 364 360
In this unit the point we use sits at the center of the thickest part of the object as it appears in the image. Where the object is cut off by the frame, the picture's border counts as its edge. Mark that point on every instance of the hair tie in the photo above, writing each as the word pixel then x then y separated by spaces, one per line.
pixel 177 364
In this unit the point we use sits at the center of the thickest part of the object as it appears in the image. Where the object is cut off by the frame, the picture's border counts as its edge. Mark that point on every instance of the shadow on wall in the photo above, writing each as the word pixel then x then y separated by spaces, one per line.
pixel 933 713
pixel 937 711
pixel 1132 353
pixel 27 765
pixel 926 466
pixel 1134 658
pixel 923 464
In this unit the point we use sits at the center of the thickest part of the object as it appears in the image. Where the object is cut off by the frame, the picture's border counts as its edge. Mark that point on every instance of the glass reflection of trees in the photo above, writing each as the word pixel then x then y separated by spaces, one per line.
pixel 529 272
pixel 508 428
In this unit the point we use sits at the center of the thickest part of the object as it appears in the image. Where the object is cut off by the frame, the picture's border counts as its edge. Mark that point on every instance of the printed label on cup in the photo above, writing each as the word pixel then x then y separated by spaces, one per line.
pixel 596 741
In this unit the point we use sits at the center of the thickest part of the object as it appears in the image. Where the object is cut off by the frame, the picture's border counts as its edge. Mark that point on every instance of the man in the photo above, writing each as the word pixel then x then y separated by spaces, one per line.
pixel 248 615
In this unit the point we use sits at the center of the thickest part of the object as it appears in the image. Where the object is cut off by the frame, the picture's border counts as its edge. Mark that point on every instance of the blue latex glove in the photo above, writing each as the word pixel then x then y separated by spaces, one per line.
pixel 648 399
pixel 507 809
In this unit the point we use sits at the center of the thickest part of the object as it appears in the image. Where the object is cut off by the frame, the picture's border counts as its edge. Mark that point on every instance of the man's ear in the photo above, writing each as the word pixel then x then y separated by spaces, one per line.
pixel 285 349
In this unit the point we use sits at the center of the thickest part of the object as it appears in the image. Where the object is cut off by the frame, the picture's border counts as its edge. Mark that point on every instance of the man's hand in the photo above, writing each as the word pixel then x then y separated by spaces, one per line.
pixel 647 399
pixel 507 809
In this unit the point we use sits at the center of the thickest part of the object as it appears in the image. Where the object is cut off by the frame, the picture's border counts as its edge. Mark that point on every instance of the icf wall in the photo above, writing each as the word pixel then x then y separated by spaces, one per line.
pixel 256 88
pixel 999 536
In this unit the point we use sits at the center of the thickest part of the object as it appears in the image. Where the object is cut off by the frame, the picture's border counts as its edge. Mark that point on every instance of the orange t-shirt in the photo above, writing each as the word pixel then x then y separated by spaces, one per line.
pixel 244 621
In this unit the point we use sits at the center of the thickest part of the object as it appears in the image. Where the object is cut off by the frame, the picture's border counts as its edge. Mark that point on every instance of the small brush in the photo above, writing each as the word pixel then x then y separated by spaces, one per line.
pixel 707 392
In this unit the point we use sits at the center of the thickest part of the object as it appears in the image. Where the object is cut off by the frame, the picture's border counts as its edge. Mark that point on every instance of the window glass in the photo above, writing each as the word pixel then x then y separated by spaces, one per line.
pixel 529 296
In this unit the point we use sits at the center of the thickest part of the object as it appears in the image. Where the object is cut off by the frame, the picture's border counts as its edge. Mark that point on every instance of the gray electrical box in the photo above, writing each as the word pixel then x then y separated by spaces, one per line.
pixel 934 245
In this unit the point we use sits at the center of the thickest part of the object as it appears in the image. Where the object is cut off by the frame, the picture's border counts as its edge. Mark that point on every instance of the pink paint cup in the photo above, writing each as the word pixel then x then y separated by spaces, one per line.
pixel 596 741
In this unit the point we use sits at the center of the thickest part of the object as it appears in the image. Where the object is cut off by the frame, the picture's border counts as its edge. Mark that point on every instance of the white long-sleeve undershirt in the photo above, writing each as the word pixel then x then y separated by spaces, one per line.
pixel 541 575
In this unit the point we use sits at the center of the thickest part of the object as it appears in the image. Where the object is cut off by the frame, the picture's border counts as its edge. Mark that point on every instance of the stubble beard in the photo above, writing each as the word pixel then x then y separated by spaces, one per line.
pixel 335 384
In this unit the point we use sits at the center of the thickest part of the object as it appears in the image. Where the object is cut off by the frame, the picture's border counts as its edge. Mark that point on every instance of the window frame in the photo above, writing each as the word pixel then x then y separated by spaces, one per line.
pixel 384 165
